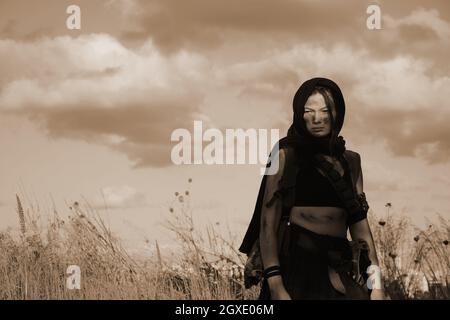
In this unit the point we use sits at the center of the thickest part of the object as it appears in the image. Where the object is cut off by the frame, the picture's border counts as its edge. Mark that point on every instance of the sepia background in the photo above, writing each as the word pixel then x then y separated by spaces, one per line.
pixel 86 115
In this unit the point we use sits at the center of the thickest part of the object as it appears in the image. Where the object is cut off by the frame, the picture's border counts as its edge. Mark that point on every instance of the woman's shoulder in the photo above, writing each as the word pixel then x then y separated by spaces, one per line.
pixel 284 159
pixel 351 155
pixel 351 152
pixel 353 159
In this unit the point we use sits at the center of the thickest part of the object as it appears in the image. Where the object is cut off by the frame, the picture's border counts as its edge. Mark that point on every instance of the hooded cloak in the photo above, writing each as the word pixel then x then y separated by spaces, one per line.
pixel 304 146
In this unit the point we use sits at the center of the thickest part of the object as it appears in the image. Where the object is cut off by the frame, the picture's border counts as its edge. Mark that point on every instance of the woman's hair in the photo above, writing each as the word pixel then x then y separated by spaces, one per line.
pixel 329 101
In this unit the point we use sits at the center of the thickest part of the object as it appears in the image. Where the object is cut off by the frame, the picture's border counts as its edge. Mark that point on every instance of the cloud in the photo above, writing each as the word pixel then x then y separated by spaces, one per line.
pixel 425 18
pixel 115 197
pixel 412 27
pixel 115 99
pixel 379 178
pixel 64 70
pixel 207 24
pixel 400 103
pixel 140 132
pixel 92 88
pixel 423 33
pixel 418 133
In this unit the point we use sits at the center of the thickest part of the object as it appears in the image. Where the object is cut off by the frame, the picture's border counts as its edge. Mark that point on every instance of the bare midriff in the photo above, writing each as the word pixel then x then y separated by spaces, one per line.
pixel 322 220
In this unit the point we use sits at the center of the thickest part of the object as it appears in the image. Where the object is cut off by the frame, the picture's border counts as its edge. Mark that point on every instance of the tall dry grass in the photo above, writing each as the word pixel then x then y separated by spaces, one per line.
pixel 415 262
pixel 34 258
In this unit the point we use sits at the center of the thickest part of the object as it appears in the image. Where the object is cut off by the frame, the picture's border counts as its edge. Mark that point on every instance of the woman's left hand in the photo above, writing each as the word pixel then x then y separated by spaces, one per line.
pixel 377 294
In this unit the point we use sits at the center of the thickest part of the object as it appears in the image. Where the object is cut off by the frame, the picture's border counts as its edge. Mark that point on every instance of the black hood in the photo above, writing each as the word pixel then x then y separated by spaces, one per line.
pixel 300 138
pixel 302 95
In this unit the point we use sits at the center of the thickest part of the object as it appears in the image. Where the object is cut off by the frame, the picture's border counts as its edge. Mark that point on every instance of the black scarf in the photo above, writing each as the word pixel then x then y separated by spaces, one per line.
pixel 304 144
pixel 300 138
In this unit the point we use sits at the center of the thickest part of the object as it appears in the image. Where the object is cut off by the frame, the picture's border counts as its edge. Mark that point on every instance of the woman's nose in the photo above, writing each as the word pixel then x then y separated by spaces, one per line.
pixel 317 118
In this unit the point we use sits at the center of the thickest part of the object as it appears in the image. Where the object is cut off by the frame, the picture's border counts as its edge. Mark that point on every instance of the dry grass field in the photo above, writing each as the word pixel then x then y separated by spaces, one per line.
pixel 34 259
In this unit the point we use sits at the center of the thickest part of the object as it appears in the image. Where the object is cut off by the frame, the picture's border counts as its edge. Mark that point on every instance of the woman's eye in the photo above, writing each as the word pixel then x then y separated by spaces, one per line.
pixel 310 111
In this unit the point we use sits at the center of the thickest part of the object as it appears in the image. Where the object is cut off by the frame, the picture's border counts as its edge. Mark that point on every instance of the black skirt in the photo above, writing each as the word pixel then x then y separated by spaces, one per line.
pixel 305 258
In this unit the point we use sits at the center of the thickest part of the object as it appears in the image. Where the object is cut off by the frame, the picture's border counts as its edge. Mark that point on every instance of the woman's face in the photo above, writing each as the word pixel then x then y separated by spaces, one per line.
pixel 316 116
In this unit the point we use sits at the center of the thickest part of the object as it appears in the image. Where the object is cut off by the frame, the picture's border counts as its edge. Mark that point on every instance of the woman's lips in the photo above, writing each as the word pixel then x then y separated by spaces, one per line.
pixel 317 129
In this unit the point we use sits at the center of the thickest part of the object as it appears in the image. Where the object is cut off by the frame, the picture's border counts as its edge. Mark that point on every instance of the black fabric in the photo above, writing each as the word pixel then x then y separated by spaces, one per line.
pixel 356 218
pixel 304 264
pixel 252 232
pixel 304 146
pixel 360 214
pixel 314 190
pixel 356 206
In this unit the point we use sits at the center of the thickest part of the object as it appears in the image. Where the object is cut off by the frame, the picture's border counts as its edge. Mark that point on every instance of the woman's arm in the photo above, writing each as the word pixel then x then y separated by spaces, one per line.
pixel 270 218
pixel 361 230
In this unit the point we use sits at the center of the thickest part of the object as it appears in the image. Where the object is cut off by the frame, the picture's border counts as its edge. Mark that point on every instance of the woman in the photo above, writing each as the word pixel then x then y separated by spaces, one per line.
pixel 313 258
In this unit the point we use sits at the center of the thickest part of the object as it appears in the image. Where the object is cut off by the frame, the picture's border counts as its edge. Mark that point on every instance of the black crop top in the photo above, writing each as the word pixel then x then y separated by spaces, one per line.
pixel 314 190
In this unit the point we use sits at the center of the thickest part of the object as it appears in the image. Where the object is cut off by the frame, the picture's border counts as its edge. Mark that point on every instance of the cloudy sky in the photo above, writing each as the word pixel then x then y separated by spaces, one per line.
pixel 87 115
